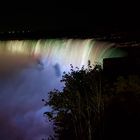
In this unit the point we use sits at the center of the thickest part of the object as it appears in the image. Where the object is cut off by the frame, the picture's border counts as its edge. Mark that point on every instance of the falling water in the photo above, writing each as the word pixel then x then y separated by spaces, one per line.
pixel 36 67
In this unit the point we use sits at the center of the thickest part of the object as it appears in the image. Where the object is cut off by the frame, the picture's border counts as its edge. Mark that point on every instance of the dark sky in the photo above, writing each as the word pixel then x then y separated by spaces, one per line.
pixel 70 17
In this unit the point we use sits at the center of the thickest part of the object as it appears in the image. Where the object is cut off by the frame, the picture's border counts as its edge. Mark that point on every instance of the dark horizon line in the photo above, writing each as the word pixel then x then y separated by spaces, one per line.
pixel 113 36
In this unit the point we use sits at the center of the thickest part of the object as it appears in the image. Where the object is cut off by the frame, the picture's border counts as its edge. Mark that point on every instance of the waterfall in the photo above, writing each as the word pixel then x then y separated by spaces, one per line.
pixel 62 51
pixel 37 66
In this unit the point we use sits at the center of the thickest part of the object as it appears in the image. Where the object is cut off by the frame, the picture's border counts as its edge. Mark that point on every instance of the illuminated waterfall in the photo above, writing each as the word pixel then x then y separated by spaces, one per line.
pixel 63 51
pixel 21 108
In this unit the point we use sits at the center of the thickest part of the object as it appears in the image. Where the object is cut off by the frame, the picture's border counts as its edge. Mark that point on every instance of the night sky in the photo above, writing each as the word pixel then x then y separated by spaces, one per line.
pixel 70 17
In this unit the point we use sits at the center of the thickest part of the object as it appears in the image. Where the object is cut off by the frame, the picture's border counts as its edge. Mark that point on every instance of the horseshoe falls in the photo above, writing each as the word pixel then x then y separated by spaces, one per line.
pixel 29 69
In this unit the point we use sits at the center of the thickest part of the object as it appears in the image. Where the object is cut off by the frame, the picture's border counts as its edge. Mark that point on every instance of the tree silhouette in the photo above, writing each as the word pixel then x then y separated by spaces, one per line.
pixel 92 107
pixel 77 109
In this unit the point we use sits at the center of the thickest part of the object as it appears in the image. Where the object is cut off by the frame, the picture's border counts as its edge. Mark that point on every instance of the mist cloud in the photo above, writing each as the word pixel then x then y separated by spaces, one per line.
pixel 21 107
